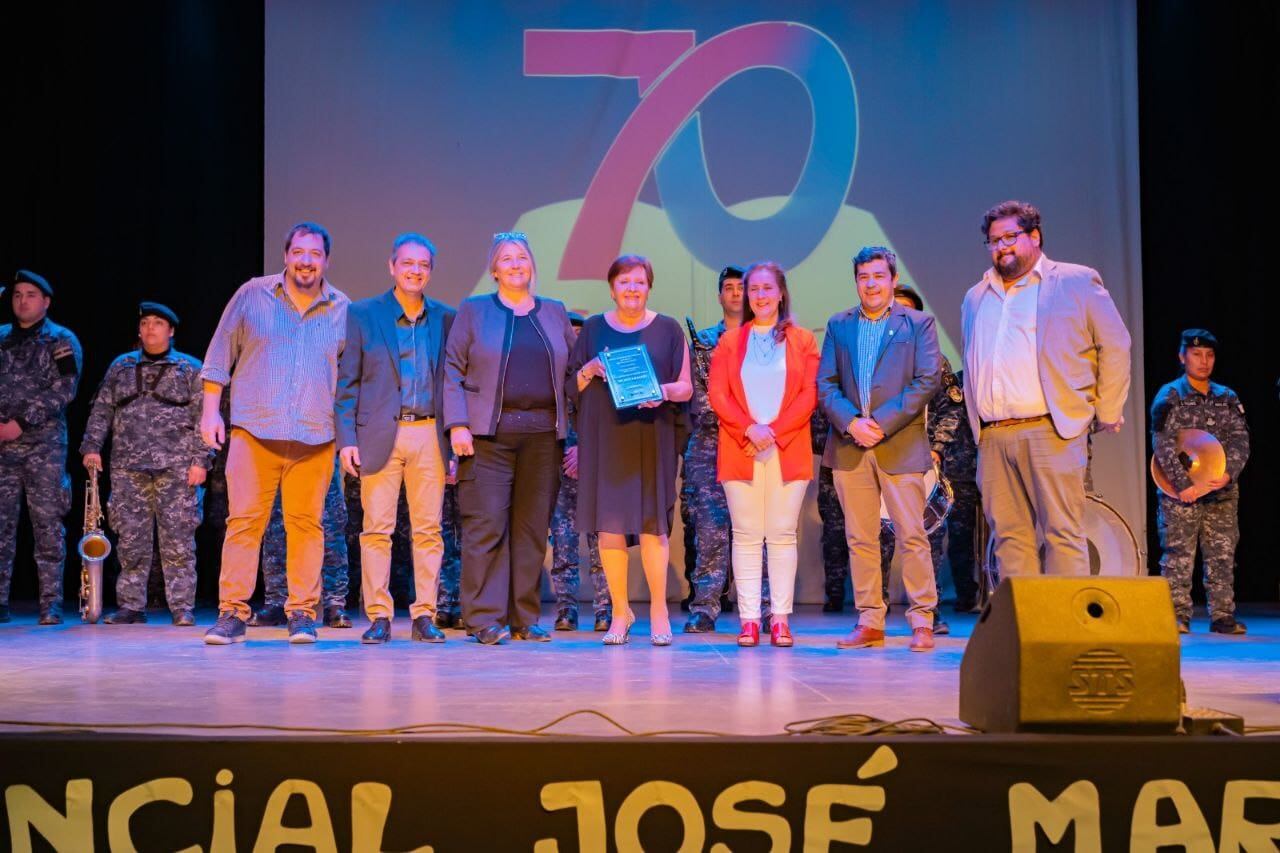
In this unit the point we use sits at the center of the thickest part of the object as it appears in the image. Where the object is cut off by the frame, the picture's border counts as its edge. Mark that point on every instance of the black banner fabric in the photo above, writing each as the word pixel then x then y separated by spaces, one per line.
pixel 941 793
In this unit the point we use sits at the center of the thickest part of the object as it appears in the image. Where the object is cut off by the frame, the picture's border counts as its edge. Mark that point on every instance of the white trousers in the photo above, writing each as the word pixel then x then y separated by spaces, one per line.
pixel 765 510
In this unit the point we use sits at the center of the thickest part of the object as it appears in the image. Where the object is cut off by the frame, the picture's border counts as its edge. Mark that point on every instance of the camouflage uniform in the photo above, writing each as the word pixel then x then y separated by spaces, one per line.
pixel 333 571
pixel 835 547
pixel 151 407
pixel 565 545
pixel 39 371
pixel 952 439
pixel 701 492
pixel 448 588
pixel 1211 520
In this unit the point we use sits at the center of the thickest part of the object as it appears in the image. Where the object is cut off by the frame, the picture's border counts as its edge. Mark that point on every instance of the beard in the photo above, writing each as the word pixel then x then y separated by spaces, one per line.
pixel 1012 267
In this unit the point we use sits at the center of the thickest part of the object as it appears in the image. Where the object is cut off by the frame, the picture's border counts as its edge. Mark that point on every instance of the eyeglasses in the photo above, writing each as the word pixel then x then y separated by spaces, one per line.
pixel 1007 239
pixel 504 236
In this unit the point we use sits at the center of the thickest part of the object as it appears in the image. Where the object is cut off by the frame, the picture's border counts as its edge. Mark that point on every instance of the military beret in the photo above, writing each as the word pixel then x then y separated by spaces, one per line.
pixel 155 309
pixel 1199 338
pixel 576 319
pixel 34 278
pixel 910 294
pixel 731 271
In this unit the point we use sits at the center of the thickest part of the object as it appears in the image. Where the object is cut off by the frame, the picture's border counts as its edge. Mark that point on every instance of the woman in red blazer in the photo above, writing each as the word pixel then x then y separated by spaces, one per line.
pixel 763 388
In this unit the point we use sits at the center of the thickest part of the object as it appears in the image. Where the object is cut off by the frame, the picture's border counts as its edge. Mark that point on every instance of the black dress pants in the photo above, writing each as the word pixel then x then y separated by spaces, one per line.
pixel 506 493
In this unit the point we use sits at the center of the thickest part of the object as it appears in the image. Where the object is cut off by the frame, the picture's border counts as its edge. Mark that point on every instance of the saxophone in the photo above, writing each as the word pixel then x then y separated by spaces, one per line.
pixel 94 548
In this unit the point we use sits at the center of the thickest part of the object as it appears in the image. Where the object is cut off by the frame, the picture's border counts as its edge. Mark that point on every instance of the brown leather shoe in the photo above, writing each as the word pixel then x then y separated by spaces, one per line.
pixel 922 640
pixel 861 638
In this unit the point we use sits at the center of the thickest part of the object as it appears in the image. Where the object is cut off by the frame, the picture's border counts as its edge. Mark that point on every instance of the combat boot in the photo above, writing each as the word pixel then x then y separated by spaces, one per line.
pixel 51 615
pixel 184 618
pixel 567 619
pixel 269 616
pixel 126 616
pixel 700 623
pixel 335 616
pixel 1227 625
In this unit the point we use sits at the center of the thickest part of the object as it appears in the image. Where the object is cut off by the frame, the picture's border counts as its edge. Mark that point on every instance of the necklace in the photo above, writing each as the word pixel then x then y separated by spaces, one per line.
pixel 762 347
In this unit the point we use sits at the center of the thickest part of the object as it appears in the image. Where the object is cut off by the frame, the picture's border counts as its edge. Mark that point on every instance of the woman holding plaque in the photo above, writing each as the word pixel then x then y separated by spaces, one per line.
pixel 627 452
pixel 506 413
pixel 763 388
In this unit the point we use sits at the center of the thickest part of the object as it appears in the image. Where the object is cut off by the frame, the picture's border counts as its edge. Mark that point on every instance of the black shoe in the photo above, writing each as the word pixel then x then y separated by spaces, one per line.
pixel 700 623
pixel 379 632
pixel 302 628
pixel 443 619
pixel 491 636
pixel 227 630
pixel 534 634
pixel 4 613
pixel 603 618
pixel 1184 626
pixel 1227 625
pixel 684 604
pixel 965 605
pixel 425 631
pixel 726 606
pixel 335 616
pixel 51 615
pixel 184 618
pixel 268 617
pixel 456 621
pixel 940 625
pixel 833 605
pixel 125 616
pixel 567 619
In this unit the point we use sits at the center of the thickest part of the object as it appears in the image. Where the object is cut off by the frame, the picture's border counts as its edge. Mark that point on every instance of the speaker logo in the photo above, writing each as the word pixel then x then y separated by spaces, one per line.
pixel 1101 681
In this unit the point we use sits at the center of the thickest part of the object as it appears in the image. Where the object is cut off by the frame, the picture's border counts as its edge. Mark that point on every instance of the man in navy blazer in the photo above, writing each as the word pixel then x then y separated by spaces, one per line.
pixel 389 406
pixel 880 367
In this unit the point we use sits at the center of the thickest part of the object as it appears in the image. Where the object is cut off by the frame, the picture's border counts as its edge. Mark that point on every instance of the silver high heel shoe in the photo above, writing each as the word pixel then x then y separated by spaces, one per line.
pixel 616 639
pixel 660 639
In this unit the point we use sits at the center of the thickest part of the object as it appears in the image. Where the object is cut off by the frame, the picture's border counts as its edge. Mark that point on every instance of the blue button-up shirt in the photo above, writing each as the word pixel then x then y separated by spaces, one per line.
pixel 281 363
pixel 417 366
pixel 870 333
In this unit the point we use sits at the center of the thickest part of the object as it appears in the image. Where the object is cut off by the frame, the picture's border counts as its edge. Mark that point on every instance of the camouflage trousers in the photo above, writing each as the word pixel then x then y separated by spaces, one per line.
pixel 142 504
pixel 961 522
pixel 565 554
pixel 403 590
pixel 1213 526
pixel 38 469
pixel 835 547
pixel 708 514
pixel 333 571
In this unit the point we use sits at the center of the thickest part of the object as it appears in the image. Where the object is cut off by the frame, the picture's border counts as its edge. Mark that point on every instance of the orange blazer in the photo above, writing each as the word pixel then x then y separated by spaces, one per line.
pixel 791 428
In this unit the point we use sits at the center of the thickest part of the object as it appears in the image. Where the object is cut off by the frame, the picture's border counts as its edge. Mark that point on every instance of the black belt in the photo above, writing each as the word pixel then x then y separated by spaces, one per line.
pixel 410 417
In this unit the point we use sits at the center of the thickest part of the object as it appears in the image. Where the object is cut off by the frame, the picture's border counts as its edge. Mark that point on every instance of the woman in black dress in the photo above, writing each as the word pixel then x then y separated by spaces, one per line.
pixel 627 458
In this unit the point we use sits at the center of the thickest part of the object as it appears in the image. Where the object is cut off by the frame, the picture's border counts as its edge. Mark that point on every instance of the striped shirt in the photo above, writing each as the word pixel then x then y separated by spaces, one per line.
pixel 281 364
pixel 870 334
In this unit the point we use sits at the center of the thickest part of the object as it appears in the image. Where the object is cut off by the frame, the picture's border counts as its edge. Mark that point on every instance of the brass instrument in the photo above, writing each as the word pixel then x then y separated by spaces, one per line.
pixel 1201 456
pixel 94 548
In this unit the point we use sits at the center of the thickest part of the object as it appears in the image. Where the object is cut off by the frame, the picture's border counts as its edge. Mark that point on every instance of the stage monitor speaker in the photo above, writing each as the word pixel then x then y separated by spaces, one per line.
pixel 1088 655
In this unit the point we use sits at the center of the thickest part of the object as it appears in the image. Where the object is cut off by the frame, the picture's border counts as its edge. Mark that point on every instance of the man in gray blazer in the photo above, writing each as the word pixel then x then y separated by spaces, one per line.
pixel 880 367
pixel 1045 354
pixel 390 404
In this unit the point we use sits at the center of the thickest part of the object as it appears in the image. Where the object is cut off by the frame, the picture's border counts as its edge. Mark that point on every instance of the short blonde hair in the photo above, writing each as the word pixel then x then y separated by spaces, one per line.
pixel 519 238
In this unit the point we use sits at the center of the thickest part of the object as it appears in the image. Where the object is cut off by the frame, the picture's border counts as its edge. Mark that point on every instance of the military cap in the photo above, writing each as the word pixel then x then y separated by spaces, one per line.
pixel 155 309
pixel 34 278
pixel 1199 338
pixel 731 271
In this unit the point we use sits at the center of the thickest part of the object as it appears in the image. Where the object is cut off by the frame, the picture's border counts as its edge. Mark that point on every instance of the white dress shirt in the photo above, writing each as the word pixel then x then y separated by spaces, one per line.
pixel 1007 384
pixel 764 378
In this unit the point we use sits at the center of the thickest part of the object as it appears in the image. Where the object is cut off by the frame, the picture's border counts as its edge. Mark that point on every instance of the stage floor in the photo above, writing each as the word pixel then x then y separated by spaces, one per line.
pixel 137 676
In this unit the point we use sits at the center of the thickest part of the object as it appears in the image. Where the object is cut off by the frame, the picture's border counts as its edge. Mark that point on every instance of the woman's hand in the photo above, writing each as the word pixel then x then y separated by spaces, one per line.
pixel 760 436
pixel 653 404
pixel 591 370
pixel 463 443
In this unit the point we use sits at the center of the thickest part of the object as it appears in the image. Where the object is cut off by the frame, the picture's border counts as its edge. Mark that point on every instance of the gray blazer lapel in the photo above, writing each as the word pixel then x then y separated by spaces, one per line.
pixel 894 324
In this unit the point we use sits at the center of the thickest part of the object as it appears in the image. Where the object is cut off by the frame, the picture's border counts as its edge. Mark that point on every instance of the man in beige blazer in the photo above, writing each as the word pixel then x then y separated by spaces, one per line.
pixel 1045 354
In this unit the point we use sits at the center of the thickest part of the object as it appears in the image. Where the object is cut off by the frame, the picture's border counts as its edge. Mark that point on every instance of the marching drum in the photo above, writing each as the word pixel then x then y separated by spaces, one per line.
pixel 936 506
pixel 1113 549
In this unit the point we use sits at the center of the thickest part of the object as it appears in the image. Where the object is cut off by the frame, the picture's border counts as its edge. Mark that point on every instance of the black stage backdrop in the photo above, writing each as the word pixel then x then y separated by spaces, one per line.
pixel 136 172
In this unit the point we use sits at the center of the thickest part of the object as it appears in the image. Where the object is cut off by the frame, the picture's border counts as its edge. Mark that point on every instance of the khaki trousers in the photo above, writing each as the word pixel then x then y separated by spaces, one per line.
pixel 415 461
pixel 255 470
pixel 1032 480
pixel 860 491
